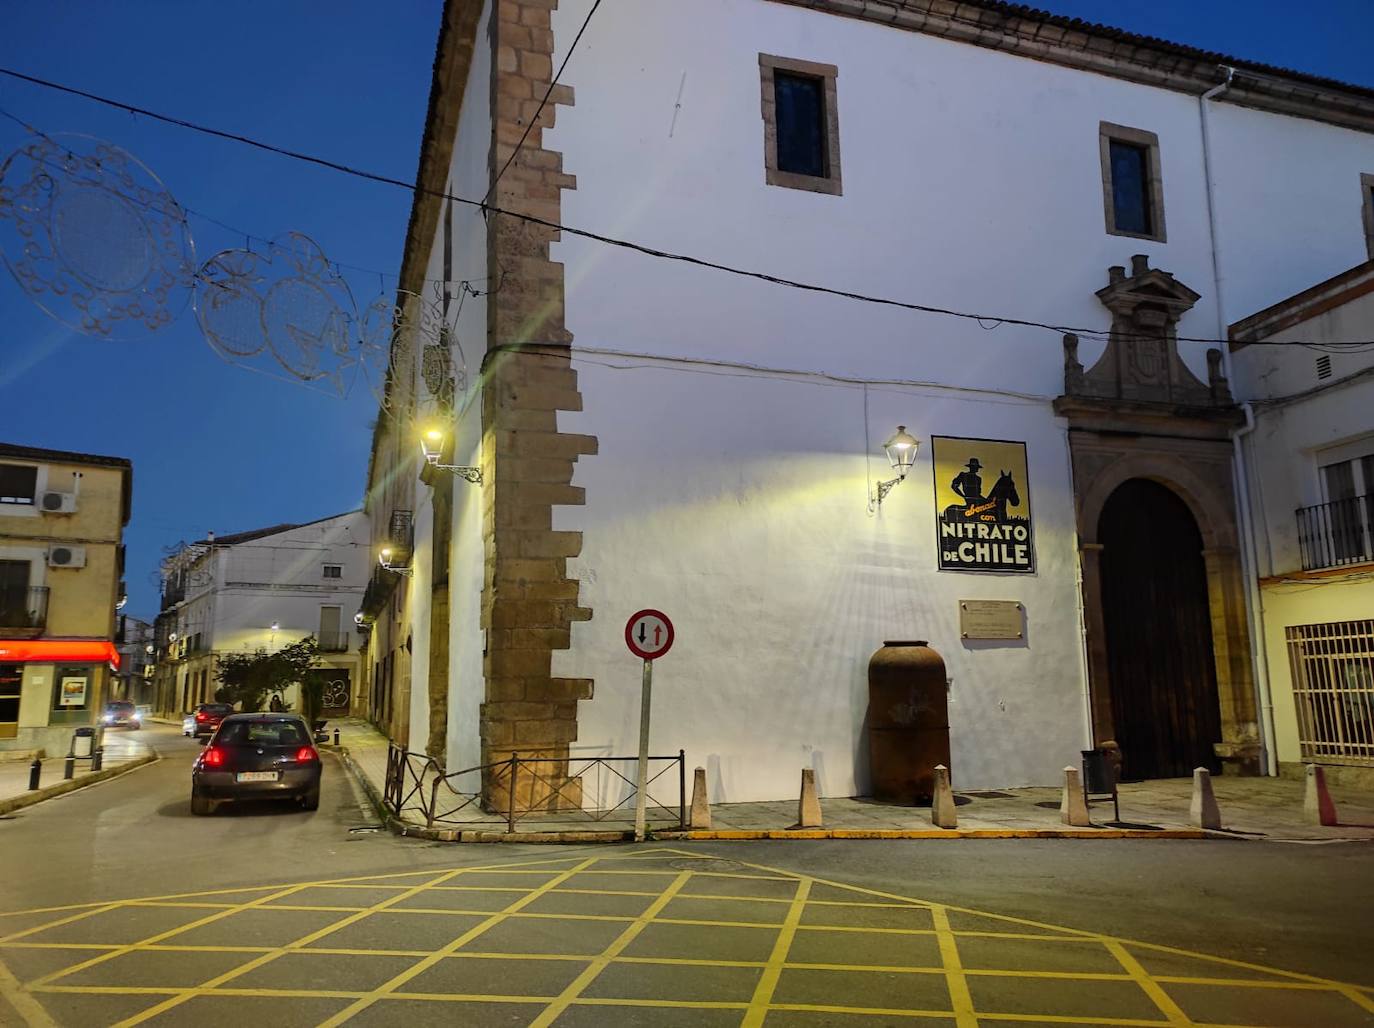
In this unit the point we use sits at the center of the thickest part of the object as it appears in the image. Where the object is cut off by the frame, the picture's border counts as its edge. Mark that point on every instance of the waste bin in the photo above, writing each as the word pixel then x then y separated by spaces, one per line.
pixel 83 742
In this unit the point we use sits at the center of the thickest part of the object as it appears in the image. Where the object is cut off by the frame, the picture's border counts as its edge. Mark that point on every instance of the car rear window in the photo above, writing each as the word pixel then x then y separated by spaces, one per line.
pixel 263 733
pixel 217 708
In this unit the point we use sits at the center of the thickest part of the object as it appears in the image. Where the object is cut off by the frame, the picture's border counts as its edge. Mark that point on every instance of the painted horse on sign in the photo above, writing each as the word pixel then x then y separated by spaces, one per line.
pixel 992 509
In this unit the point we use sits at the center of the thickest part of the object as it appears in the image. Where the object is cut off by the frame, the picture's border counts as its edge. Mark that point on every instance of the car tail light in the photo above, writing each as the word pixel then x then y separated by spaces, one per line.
pixel 306 755
pixel 201 715
pixel 212 757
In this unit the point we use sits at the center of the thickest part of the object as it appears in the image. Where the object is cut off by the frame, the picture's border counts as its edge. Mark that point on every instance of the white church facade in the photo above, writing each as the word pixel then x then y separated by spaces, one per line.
pixel 1067 220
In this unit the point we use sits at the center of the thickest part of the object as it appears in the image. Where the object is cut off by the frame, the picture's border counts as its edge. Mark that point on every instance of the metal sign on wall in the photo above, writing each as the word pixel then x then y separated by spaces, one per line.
pixel 982 505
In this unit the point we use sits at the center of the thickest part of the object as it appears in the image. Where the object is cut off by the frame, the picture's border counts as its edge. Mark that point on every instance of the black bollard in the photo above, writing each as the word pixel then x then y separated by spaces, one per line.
pixel 68 767
pixel 97 758
pixel 35 772
pixel 336 737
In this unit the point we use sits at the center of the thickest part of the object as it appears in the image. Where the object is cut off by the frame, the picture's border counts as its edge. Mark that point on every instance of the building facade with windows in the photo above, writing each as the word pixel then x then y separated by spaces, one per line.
pixel 134 679
pixel 1310 465
pixel 262 590
pixel 1030 236
pixel 62 518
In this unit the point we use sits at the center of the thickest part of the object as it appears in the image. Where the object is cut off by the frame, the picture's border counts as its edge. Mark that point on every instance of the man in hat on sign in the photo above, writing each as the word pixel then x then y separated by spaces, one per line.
pixel 968 485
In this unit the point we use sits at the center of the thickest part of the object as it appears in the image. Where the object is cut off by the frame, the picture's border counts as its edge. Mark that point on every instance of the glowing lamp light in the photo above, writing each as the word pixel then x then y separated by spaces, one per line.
pixel 384 558
pixel 433 440
pixel 901 454
pixel 901 451
pixel 276 625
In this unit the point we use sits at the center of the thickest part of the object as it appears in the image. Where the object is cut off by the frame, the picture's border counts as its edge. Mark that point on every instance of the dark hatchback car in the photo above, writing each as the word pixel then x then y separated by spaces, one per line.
pixel 205 719
pixel 257 757
pixel 121 714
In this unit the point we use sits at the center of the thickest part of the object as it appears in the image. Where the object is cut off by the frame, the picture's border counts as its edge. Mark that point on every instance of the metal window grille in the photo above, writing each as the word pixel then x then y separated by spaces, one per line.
pixel 1333 687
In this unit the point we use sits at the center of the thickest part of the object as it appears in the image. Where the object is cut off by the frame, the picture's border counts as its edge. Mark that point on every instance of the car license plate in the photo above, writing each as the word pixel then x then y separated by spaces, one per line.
pixel 256 776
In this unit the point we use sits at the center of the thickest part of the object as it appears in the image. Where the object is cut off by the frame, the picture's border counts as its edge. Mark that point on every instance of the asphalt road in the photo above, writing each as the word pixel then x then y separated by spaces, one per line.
pixel 300 921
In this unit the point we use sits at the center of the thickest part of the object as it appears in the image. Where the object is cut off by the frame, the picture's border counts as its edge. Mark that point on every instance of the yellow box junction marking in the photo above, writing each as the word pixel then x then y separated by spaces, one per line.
pixel 644 875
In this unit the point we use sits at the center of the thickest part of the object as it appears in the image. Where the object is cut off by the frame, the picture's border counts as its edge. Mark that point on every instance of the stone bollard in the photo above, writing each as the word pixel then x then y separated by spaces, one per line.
pixel 1317 805
pixel 701 803
pixel 1073 807
pixel 809 806
pixel 942 810
pixel 1203 812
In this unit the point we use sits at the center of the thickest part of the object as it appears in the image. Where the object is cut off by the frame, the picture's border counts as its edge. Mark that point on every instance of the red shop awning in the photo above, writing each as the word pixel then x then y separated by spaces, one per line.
pixel 58 651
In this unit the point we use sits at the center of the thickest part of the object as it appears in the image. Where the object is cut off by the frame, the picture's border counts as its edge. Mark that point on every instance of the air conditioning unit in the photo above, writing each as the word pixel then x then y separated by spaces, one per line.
pixel 53 502
pixel 67 557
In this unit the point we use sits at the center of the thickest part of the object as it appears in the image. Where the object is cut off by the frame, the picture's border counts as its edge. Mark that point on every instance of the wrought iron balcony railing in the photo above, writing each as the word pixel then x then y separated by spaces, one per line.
pixel 1336 533
pixel 23 607
pixel 333 642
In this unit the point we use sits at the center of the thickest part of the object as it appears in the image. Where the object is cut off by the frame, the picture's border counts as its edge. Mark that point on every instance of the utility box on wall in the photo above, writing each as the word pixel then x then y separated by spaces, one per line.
pixel 908 721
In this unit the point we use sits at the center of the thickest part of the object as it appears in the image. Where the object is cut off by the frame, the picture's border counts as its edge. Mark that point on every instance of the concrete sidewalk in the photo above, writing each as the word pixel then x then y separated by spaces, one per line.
pixel 121 750
pixel 1251 808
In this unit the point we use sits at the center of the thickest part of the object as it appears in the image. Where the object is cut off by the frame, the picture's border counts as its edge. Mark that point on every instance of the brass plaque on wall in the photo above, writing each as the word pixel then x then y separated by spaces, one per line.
pixel 991 619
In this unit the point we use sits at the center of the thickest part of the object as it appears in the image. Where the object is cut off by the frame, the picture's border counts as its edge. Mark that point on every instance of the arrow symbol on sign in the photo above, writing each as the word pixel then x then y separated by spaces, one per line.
pixel 642 627
pixel 658 631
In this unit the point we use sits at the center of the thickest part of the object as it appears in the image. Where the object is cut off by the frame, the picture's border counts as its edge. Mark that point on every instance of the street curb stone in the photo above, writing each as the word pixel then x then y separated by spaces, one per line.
pixel 72 784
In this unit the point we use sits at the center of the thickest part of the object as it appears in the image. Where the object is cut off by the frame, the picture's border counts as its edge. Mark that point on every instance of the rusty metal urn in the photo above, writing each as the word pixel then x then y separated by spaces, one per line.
pixel 908 721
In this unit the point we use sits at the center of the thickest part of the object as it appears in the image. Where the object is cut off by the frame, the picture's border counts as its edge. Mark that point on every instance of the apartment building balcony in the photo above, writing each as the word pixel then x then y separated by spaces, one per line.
pixel 23 610
pixel 1337 533
pixel 333 642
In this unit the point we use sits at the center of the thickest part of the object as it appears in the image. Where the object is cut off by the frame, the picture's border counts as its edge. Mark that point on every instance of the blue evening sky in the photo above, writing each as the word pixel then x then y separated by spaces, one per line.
pixel 218 448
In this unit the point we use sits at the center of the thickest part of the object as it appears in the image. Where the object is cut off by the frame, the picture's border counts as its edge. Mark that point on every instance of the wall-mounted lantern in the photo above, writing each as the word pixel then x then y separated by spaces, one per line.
pixel 384 559
pixel 433 440
pixel 901 454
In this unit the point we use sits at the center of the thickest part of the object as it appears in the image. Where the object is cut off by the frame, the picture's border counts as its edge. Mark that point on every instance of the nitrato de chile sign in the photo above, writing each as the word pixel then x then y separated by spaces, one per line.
pixel 982 505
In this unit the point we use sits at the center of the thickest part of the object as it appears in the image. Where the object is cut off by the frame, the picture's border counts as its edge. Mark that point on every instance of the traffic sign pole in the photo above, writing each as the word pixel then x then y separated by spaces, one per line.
pixel 642 783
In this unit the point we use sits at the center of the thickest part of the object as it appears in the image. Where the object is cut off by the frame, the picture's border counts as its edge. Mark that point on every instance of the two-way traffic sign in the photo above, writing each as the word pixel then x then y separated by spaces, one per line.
pixel 649 634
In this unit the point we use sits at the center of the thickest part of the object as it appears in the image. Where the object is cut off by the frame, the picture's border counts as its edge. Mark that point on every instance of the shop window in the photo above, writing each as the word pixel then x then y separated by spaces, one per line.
pixel 1132 186
pixel 801 124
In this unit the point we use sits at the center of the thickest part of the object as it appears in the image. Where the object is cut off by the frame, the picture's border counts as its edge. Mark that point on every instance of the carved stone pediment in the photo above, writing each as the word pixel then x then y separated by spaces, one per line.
pixel 1141 362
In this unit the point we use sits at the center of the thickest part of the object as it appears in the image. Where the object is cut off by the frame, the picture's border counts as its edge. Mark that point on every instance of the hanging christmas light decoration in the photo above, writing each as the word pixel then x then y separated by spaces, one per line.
pixel 287 312
pixel 93 237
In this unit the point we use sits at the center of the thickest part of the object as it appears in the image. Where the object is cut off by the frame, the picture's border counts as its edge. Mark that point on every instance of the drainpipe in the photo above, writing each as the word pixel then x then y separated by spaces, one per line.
pixel 1254 612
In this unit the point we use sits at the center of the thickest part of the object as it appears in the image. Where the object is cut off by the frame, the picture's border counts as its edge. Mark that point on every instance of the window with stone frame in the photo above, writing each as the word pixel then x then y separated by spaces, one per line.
pixel 801 126
pixel 1367 206
pixel 1132 184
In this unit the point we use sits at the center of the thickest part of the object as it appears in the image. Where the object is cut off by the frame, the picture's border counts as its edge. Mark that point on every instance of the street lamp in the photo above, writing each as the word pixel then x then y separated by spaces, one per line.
pixel 901 453
pixel 433 440
pixel 384 559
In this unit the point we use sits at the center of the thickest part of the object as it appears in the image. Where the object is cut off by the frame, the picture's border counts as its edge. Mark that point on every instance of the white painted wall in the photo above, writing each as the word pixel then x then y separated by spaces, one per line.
pixel 1291 440
pixel 972 180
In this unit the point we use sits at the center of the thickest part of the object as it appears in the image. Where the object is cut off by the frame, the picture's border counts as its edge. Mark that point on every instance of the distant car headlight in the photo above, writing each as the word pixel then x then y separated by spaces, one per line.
pixel 109 717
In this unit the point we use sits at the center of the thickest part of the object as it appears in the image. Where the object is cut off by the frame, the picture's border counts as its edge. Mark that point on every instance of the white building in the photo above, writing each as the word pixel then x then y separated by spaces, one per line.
pixel 1310 463
pixel 655 433
pixel 262 590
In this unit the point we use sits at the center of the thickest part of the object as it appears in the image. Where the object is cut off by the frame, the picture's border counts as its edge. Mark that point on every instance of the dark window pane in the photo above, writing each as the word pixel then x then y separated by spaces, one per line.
pixel 17 483
pixel 1131 188
pixel 801 124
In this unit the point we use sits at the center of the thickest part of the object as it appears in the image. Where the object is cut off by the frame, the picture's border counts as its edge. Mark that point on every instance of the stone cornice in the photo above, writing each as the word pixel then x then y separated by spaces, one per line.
pixel 1027 32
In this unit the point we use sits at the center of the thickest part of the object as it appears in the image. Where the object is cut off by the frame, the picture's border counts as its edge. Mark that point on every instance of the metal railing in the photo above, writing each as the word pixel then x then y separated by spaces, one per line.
pixel 538 793
pixel 1336 533
pixel 333 642
pixel 23 606
pixel 1333 689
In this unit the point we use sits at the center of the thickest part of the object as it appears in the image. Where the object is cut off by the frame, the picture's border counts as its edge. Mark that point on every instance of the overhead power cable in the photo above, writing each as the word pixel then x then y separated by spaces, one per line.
pixel 812 287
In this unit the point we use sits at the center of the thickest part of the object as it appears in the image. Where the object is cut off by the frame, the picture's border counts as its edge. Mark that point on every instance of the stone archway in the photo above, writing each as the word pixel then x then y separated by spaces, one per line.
pixel 1140 413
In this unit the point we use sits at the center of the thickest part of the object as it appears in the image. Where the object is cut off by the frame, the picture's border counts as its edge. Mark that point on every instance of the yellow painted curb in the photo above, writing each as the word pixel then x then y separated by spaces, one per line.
pixel 739 835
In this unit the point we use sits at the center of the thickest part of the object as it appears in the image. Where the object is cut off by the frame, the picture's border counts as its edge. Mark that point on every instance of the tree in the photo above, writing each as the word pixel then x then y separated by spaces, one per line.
pixel 247 679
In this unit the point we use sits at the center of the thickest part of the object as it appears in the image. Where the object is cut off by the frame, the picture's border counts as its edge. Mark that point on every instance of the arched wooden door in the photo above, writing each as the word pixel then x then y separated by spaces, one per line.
pixel 1158 625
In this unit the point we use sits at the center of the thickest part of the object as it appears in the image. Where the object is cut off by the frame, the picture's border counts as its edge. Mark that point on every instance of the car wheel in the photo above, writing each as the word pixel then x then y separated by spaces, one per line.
pixel 311 800
pixel 201 805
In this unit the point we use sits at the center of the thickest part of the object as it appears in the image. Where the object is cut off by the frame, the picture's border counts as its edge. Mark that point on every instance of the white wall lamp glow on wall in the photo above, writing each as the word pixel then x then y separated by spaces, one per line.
pixel 901 453
pixel 433 440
